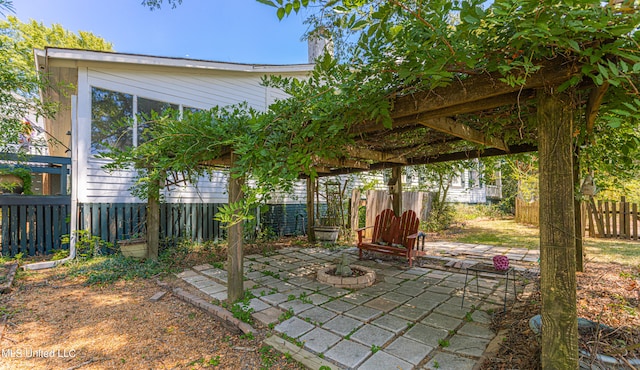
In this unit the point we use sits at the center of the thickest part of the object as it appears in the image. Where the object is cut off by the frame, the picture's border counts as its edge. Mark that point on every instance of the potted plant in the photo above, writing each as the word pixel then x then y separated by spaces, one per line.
pixel 135 247
pixel 15 180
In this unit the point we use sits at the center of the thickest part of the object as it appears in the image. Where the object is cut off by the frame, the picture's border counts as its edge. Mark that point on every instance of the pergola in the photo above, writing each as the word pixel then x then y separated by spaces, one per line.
pixel 448 124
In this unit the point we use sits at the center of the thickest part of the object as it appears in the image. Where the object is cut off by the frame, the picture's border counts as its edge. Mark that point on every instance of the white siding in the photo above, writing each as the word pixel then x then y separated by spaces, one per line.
pixel 193 88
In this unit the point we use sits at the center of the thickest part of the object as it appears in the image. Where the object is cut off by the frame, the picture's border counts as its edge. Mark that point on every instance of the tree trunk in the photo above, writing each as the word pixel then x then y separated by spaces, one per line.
pixel 235 289
pixel 153 223
pixel 557 232
pixel 311 219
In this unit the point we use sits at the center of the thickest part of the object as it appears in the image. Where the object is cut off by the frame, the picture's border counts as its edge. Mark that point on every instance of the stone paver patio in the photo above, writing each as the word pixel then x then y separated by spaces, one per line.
pixel 411 318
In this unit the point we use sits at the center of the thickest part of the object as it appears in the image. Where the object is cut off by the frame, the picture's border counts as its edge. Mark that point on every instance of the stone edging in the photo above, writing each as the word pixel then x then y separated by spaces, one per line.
pixel 226 318
pixel 351 282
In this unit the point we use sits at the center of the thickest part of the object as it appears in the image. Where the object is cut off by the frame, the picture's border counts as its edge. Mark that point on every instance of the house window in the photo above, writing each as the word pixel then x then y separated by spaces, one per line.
pixel 111 114
pixel 112 119
pixel 145 107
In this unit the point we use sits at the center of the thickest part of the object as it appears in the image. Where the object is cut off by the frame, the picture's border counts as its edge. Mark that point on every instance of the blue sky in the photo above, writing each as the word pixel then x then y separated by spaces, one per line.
pixel 242 31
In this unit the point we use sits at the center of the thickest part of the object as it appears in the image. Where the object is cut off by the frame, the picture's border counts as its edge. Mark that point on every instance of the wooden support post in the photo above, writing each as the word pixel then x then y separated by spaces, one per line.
pixel 578 211
pixel 153 221
pixel 235 289
pixel 396 196
pixel 557 232
pixel 311 215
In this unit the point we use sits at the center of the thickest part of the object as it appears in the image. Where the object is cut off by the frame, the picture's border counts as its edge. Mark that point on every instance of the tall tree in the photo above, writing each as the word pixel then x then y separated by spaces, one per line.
pixel 19 81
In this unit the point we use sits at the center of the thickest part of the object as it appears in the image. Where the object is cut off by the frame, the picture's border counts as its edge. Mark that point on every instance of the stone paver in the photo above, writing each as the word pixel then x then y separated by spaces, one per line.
pixel 343 325
pixel 364 314
pixel 370 335
pixel 446 361
pixel 338 306
pixel 268 316
pixel 409 312
pixel 319 340
pixel 465 345
pixel 438 320
pixel 275 299
pixel 348 353
pixel 392 323
pixel 476 330
pixel 408 350
pixel 318 299
pixel 318 315
pixel 257 305
pixel 382 304
pixel 395 323
pixel 294 327
pixel 426 334
pixel 296 306
pixel 383 360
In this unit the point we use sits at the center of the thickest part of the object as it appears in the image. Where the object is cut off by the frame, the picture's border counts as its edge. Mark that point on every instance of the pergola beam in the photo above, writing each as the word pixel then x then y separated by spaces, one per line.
pixel 451 127
pixel 478 105
pixel 438 158
pixel 480 88
pixel 340 162
pixel 374 155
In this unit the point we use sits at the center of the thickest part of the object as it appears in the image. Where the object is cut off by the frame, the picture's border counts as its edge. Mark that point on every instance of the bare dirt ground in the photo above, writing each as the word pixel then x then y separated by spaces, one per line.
pixel 53 321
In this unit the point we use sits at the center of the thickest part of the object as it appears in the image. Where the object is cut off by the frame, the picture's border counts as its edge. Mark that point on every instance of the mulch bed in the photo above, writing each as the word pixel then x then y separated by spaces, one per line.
pixel 52 321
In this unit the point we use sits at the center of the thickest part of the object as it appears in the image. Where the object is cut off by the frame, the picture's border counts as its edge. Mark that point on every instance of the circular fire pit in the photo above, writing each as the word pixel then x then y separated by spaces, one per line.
pixel 363 277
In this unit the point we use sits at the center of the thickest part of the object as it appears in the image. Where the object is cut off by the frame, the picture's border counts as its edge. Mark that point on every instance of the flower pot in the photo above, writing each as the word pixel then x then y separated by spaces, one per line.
pixel 136 248
pixel 326 233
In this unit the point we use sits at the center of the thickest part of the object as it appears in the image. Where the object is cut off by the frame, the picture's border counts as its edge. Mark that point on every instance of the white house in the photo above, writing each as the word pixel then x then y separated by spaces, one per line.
pixel 97 89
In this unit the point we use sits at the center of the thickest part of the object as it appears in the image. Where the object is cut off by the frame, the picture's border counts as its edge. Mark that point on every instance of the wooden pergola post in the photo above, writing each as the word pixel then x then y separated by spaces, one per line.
pixel 311 216
pixel 235 289
pixel 396 197
pixel 557 232
pixel 153 220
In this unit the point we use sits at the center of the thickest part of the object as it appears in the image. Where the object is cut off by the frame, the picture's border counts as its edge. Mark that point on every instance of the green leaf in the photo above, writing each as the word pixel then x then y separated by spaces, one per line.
pixel 471 19
pixel 281 13
pixel 267 2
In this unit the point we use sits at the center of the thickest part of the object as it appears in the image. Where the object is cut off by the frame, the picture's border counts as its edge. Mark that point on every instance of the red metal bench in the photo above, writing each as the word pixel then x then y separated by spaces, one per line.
pixel 391 234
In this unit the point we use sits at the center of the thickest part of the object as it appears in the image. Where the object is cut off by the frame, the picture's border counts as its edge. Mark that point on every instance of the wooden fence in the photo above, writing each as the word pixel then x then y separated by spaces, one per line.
pixel 527 212
pixel 33 225
pixel 609 219
pixel 117 221
pixel 600 219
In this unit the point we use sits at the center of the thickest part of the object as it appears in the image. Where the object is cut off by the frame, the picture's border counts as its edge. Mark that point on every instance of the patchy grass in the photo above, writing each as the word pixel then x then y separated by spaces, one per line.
pixel 626 252
pixel 502 232
pixel 508 233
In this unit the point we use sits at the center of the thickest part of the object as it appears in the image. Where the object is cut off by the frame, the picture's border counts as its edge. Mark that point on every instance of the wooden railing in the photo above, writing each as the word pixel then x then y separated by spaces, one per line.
pixel 609 219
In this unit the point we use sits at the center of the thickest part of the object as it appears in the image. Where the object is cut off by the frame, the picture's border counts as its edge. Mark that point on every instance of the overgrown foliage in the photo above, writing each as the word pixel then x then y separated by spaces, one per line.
pixel 19 81
pixel 393 48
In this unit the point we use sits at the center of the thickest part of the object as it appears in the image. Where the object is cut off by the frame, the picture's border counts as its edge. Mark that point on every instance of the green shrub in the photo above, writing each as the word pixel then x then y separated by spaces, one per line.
pixel 440 218
pixel 87 245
